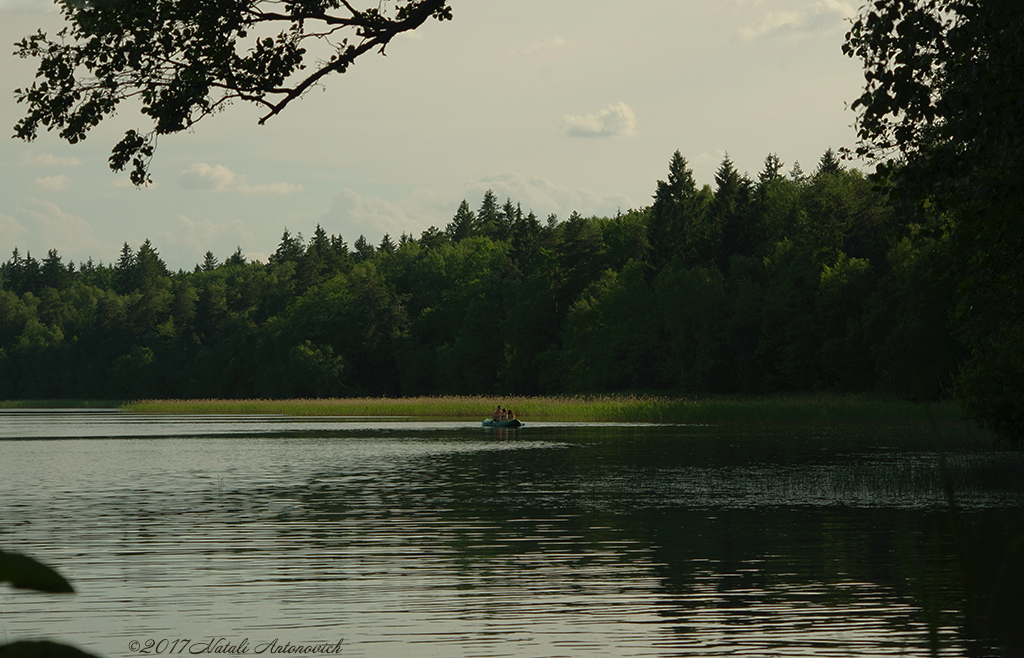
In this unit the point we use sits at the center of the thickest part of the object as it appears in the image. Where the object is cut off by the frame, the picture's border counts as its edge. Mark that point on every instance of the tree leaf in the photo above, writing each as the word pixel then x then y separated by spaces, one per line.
pixel 25 573
pixel 41 649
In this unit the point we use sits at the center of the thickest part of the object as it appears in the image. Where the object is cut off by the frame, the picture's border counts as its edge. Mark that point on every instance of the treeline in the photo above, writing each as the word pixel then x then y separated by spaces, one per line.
pixel 783 282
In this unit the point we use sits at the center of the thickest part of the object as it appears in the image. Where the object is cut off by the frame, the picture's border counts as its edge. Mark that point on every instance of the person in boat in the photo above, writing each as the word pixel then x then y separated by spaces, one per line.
pixel 497 413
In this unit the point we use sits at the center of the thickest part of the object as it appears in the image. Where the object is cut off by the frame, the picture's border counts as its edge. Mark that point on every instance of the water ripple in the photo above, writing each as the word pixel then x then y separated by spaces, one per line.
pixel 445 541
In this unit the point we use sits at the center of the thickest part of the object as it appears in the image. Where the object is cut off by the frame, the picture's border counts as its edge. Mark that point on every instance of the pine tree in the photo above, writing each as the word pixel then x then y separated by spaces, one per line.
pixel 488 217
pixel 338 246
pixel 237 258
pixel 319 244
pixel 315 265
pixel 363 249
pixel 737 226
pixel 772 170
pixel 463 224
pixel 672 229
pixel 433 237
pixel 210 262
pixel 124 270
pixel 290 249
pixel 53 274
pixel 149 267
pixel 829 164
pixel 509 214
pixel 796 173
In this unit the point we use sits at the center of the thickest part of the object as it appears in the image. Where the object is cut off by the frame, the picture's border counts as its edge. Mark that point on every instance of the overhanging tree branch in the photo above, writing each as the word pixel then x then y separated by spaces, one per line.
pixel 185 59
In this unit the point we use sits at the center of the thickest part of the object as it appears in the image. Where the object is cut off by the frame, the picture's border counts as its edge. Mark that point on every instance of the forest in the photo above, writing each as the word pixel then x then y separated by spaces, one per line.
pixel 907 281
pixel 787 282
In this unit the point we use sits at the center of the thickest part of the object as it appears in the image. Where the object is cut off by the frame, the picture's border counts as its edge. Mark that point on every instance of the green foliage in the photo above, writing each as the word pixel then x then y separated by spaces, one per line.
pixel 694 307
pixel 735 229
pixel 789 283
pixel 41 649
pixel 942 115
pixel 989 384
pixel 612 334
pixel 843 290
pixel 183 60
pixel 676 227
pixel 24 572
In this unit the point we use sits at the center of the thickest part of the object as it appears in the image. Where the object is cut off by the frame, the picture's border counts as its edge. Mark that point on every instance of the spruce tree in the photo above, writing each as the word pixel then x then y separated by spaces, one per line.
pixel 488 217
pixel 53 273
pixel 209 262
pixel 672 229
pixel 290 249
pixel 737 227
pixel 829 164
pixel 363 249
pixel 463 224
pixel 237 258
pixel 772 170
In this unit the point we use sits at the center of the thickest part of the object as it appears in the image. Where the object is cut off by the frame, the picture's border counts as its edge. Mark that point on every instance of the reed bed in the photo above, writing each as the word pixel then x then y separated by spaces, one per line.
pixel 822 409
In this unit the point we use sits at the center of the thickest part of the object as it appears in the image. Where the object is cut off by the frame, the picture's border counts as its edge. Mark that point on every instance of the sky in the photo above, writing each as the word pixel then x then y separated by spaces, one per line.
pixel 559 105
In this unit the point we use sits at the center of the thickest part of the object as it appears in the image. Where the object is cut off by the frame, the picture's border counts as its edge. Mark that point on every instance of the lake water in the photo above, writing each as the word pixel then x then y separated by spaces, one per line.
pixel 400 537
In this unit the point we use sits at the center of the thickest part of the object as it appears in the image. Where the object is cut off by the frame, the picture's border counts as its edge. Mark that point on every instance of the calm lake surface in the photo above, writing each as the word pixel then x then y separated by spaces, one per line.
pixel 417 538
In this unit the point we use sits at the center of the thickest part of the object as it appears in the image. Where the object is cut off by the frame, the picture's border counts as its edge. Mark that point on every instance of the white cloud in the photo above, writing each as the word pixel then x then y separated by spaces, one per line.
pixel 201 176
pixel 543 197
pixel 614 120
pixel 186 238
pixel 47 160
pixel 353 215
pixel 41 226
pixel 822 16
pixel 11 231
pixel 534 47
pixel 710 158
pixel 53 183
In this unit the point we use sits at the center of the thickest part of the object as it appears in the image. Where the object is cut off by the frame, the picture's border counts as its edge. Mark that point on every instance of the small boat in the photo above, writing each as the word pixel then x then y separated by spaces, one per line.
pixel 512 423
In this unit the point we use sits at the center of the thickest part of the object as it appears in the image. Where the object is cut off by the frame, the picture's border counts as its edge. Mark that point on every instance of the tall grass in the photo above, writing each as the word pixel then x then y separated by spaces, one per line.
pixel 652 409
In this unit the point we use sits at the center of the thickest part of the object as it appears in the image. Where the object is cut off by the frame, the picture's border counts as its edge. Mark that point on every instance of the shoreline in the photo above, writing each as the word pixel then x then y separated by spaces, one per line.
pixel 809 409
pixel 821 409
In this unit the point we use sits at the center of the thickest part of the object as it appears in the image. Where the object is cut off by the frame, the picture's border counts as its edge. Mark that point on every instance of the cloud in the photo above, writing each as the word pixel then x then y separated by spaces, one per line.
pixel 53 183
pixel 710 158
pixel 201 176
pixel 543 197
pixel 353 215
pixel 822 16
pixel 186 238
pixel 12 232
pixel 614 120
pixel 47 160
pixel 534 47
pixel 39 226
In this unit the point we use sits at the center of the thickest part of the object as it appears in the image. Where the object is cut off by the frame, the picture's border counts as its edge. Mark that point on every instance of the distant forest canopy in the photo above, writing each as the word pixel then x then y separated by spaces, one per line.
pixel 783 282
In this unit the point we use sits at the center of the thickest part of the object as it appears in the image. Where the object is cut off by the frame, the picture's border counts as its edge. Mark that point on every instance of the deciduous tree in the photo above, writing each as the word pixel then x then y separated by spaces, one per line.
pixel 942 115
pixel 183 60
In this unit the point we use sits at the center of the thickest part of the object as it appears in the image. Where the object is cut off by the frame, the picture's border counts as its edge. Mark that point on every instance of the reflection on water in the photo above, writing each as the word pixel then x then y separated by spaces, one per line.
pixel 440 539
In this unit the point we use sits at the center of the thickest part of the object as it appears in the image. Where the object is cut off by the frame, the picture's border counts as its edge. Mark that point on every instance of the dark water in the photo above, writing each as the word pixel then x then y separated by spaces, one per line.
pixel 413 538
